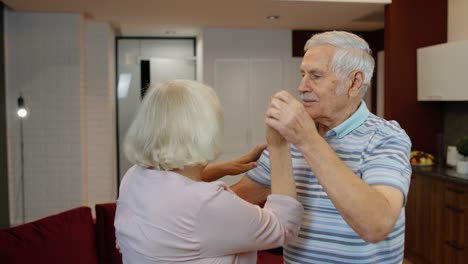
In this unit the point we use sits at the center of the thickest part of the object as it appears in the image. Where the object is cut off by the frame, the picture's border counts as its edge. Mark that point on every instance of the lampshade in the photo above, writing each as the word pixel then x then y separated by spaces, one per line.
pixel 22 112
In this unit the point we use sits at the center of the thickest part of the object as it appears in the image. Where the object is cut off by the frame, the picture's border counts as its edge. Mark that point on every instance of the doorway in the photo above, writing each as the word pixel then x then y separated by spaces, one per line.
pixel 141 62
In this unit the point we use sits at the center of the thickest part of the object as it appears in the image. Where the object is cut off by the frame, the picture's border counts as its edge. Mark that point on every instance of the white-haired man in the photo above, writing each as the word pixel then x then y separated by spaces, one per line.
pixel 351 167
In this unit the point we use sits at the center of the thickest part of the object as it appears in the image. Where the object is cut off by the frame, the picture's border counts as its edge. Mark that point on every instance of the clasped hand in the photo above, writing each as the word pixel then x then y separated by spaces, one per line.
pixel 287 117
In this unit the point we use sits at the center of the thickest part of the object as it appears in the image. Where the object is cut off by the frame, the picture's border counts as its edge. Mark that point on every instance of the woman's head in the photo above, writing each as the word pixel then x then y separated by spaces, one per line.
pixel 179 123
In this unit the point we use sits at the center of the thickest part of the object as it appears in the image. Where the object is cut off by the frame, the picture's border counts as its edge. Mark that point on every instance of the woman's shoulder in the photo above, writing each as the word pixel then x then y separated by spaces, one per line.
pixel 212 188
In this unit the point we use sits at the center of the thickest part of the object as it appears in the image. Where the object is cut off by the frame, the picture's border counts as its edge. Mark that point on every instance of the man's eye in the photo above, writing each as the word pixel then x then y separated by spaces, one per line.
pixel 315 76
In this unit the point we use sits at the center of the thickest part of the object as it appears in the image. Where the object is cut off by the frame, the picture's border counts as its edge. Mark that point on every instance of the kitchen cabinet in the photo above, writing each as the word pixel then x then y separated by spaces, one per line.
pixel 436 221
pixel 455 233
pixel 441 72
pixel 424 219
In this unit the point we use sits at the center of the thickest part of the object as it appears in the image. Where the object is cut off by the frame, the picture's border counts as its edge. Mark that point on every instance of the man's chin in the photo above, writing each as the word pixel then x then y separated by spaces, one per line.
pixel 313 113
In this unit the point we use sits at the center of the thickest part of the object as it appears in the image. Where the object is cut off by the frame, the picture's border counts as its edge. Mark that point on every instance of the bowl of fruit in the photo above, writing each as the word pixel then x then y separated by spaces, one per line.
pixel 421 158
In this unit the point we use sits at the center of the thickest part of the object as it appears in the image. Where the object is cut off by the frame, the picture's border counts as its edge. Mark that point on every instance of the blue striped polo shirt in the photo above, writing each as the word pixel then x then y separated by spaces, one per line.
pixel 377 151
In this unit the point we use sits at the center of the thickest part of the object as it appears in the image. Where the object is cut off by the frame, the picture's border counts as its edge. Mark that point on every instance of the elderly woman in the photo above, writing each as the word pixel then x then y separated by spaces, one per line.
pixel 167 214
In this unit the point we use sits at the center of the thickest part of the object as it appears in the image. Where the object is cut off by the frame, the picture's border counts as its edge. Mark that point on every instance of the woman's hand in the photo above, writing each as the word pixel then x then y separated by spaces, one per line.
pixel 237 166
pixel 247 161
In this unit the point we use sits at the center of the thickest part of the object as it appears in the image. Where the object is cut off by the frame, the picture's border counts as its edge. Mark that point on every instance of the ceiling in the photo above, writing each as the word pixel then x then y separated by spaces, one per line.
pixel 187 17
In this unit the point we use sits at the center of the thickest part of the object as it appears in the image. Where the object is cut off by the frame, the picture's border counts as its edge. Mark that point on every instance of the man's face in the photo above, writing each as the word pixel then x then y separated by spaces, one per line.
pixel 319 86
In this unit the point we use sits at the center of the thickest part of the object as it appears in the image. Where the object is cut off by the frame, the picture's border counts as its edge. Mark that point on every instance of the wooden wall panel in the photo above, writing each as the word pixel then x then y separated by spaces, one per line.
pixel 408 26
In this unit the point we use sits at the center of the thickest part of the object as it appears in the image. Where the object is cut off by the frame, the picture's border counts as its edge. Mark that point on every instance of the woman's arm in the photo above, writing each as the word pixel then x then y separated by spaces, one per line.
pixel 282 180
pixel 226 224
pixel 229 225
pixel 233 167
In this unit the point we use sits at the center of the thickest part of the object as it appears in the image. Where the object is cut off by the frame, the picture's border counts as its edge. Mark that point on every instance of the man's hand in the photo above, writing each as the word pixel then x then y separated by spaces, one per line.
pixel 289 117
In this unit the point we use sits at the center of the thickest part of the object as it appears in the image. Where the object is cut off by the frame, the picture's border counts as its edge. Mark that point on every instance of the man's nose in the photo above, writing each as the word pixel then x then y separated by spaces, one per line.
pixel 303 87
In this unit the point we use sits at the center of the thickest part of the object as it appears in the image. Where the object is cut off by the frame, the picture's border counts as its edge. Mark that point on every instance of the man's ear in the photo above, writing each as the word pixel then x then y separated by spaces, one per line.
pixel 356 78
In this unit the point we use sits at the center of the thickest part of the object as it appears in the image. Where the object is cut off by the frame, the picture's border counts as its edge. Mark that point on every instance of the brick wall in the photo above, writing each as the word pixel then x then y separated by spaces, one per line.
pixel 100 113
pixel 45 60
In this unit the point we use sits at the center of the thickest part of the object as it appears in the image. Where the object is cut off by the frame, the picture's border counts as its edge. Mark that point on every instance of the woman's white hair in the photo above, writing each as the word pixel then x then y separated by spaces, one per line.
pixel 179 123
pixel 352 53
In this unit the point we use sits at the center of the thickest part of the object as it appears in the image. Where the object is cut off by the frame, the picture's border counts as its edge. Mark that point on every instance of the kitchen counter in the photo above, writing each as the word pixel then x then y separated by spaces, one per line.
pixel 442 173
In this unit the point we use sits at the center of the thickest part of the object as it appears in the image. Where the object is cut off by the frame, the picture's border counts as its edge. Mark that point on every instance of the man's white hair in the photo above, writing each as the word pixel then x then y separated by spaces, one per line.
pixel 352 53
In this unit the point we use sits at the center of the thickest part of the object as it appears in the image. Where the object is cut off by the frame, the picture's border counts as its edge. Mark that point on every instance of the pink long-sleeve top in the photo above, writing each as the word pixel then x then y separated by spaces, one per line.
pixel 165 217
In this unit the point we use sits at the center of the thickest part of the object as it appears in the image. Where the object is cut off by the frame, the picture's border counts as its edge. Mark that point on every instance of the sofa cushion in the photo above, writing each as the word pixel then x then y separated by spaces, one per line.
pixel 105 234
pixel 265 257
pixel 67 237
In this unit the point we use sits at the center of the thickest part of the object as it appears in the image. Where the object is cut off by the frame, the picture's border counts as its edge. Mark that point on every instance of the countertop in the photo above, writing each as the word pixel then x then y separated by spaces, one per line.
pixel 442 172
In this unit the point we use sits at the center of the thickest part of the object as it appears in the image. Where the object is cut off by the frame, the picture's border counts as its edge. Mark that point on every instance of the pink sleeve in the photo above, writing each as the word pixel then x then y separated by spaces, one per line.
pixel 226 224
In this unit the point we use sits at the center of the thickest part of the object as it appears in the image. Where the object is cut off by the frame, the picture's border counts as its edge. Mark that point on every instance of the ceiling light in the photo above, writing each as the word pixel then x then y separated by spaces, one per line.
pixel 273 17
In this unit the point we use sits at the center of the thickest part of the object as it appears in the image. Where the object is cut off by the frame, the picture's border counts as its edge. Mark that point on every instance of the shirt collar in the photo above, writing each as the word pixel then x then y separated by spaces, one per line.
pixel 354 121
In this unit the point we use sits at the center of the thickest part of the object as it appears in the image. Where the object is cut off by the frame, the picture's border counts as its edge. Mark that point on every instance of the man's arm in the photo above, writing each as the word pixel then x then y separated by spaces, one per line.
pixel 237 166
pixel 251 191
pixel 370 210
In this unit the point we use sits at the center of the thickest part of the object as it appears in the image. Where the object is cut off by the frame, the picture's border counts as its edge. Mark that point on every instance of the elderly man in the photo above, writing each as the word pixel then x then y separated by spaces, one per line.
pixel 351 167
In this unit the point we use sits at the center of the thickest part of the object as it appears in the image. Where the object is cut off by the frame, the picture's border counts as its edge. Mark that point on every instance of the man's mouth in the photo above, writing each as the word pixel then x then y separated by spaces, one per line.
pixel 309 97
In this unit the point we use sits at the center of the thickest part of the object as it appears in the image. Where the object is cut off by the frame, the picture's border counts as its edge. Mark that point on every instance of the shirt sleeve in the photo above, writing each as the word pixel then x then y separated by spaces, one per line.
pixel 261 174
pixel 226 224
pixel 387 162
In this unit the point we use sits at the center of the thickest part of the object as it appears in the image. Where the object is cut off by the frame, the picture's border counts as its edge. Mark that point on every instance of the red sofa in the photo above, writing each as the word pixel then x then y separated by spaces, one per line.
pixel 67 237
pixel 73 237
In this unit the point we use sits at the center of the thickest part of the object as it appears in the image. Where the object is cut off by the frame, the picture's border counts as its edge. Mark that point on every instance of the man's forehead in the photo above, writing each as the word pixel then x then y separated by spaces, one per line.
pixel 321 51
pixel 317 58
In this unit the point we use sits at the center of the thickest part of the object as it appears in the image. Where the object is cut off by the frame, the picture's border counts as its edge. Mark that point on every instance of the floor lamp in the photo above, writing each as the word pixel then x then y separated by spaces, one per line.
pixel 22 113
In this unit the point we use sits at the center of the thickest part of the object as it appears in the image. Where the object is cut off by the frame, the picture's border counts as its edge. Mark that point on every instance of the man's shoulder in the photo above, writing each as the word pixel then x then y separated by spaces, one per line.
pixel 383 127
pixel 385 132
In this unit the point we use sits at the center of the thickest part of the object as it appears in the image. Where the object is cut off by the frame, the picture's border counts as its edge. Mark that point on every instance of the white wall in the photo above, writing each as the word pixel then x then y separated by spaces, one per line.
pixel 199 57
pixel 99 113
pixel 69 104
pixel 380 83
pixel 42 60
pixel 457 20
pixel 246 67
